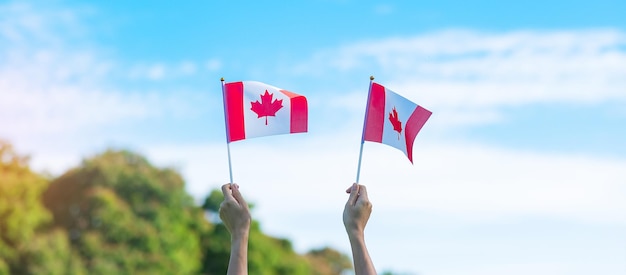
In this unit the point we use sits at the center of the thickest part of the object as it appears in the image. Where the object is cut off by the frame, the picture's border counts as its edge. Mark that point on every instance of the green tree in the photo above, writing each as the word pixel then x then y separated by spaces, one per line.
pixel 125 216
pixel 116 213
pixel 28 244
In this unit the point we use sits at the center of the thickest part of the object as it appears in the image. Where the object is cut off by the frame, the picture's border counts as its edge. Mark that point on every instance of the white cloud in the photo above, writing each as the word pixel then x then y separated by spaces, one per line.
pixel 161 71
pixel 469 73
pixel 213 65
pixel 473 182
pixel 297 183
pixel 20 25
pixel 155 72
pixel 54 91
pixel 50 85
pixel 187 68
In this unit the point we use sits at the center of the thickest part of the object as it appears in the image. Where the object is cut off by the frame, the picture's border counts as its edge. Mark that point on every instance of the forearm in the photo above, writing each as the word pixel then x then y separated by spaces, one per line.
pixel 362 262
pixel 238 263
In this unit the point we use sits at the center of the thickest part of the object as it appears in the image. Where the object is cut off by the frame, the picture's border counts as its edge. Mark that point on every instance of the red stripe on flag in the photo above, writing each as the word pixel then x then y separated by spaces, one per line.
pixel 299 112
pixel 375 114
pixel 233 102
pixel 413 126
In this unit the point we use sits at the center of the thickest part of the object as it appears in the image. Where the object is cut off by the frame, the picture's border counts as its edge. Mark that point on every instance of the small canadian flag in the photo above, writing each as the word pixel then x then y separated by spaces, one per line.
pixel 255 109
pixel 392 119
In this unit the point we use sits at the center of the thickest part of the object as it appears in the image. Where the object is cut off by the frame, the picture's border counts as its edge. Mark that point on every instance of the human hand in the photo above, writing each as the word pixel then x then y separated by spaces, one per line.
pixel 357 210
pixel 234 211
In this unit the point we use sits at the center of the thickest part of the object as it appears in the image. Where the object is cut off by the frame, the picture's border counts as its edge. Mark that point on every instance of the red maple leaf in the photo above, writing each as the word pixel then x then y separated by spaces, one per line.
pixel 397 124
pixel 266 107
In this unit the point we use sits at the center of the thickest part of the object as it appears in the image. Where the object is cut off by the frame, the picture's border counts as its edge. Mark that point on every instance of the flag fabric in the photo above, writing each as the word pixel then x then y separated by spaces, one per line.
pixel 255 109
pixel 392 119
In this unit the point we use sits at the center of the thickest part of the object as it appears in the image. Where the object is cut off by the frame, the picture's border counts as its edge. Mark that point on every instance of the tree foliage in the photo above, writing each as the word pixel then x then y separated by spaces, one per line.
pixel 125 216
pixel 329 261
pixel 28 245
pixel 116 213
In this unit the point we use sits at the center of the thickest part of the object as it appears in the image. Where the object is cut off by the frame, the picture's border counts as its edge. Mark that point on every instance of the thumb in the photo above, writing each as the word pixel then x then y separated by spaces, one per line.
pixel 354 193
pixel 237 195
pixel 226 190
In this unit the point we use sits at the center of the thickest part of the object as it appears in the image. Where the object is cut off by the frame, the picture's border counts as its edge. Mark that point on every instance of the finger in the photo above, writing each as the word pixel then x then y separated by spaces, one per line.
pixel 226 190
pixel 237 195
pixel 350 188
pixel 354 193
pixel 363 192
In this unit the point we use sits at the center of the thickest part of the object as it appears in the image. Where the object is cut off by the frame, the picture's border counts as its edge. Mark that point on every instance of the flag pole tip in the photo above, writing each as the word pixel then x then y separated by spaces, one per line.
pixel 371 77
pixel 222 79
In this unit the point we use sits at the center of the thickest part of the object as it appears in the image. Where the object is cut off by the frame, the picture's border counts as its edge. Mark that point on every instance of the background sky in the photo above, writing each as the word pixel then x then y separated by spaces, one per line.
pixel 520 169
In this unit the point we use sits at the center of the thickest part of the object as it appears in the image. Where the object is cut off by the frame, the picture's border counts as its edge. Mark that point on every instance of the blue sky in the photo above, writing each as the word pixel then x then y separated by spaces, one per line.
pixel 519 170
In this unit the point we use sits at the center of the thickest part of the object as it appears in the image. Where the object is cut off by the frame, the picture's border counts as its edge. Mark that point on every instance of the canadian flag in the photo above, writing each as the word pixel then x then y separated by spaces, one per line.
pixel 255 109
pixel 392 119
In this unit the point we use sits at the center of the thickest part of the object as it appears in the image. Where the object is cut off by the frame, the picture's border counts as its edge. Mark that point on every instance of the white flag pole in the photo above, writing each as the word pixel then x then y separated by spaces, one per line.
pixel 369 92
pixel 230 167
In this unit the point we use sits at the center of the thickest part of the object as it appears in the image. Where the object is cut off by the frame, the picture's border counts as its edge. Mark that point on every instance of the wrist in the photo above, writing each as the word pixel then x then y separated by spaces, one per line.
pixel 240 235
pixel 356 234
